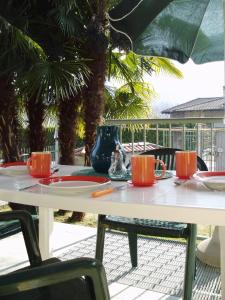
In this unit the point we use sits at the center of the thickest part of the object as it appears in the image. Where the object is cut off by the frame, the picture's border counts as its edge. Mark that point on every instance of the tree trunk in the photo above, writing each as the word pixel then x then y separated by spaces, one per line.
pixel 36 113
pixel 68 112
pixel 94 93
pixel 8 121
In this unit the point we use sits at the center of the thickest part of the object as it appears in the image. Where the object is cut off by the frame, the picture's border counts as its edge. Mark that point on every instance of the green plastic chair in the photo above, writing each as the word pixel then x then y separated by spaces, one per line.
pixel 134 226
pixel 13 227
pixel 8 228
pixel 76 279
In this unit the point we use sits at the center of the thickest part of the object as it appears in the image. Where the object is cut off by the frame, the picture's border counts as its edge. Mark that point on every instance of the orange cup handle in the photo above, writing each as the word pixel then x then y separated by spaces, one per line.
pixel 163 168
pixel 29 165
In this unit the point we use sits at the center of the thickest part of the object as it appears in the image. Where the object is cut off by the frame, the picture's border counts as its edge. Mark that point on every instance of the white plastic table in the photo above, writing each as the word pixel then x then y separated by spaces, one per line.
pixel 189 203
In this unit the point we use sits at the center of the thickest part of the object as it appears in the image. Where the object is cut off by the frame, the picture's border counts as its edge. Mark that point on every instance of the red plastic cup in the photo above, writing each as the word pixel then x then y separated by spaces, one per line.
pixel 186 164
pixel 143 170
pixel 39 164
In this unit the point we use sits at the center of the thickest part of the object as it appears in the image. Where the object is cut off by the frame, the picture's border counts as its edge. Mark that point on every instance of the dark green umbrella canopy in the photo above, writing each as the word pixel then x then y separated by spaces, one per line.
pixel 176 29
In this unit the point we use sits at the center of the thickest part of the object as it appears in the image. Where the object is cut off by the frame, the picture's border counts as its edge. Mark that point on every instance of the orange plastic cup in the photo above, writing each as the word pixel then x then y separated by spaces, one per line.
pixel 39 164
pixel 143 170
pixel 186 164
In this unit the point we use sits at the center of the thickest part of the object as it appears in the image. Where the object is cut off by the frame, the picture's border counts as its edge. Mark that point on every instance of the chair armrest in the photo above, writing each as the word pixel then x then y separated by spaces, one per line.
pixel 54 273
pixel 29 233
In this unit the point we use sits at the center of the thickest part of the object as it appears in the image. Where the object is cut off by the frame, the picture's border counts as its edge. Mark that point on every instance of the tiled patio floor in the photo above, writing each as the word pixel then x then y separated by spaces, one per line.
pixel 159 274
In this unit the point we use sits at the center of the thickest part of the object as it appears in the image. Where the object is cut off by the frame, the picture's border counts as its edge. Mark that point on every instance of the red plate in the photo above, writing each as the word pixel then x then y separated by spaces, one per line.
pixel 14 168
pixel 212 180
pixel 12 164
pixel 204 174
pixel 74 183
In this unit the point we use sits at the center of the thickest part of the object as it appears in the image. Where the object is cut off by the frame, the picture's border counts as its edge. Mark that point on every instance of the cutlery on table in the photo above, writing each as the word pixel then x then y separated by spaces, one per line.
pixel 33 185
pixel 107 191
pixel 54 171
pixel 27 187
pixel 180 181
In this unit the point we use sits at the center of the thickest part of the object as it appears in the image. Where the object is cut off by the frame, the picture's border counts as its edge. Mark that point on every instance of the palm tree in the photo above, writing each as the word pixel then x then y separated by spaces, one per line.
pixel 124 103
pixel 86 22
pixel 8 120
pixel 60 77
pixel 16 49
pixel 85 25
pixel 134 96
pixel 52 77
pixel 57 82
pixel 97 49
pixel 94 46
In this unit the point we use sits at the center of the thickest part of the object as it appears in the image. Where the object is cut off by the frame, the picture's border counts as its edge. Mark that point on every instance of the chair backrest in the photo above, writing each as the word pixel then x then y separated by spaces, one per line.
pixel 13 227
pixel 81 278
pixel 23 220
pixel 74 279
pixel 168 156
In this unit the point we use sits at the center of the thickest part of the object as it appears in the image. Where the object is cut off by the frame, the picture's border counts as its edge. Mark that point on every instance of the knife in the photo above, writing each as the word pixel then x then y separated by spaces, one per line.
pixel 107 191
pixel 36 184
pixel 28 187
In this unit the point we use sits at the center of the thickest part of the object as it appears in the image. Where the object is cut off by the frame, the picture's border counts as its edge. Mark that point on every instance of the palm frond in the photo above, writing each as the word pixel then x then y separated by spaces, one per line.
pixel 17 46
pixel 56 79
pixel 123 69
pixel 113 3
pixel 127 104
pixel 79 10
pixel 25 44
pixel 165 66
pixel 137 66
pixel 68 21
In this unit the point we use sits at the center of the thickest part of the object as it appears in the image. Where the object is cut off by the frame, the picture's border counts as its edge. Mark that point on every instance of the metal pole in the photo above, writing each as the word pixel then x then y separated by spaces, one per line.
pixel 157 134
pixel 144 137
pixel 170 136
pixel 211 147
pixel 183 138
pixel 56 138
pixel 132 138
pixel 121 135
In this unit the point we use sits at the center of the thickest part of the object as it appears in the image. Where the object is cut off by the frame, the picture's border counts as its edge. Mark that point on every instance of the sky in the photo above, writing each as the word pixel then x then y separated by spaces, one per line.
pixel 199 81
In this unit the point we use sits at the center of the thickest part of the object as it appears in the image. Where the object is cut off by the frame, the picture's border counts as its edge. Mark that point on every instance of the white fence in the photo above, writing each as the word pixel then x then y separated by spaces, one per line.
pixel 205 135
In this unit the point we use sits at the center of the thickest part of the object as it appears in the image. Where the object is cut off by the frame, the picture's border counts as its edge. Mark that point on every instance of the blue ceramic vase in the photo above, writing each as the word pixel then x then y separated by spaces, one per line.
pixel 107 141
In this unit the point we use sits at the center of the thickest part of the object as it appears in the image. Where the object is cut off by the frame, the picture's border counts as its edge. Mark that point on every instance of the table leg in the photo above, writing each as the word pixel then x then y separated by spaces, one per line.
pixel 222 259
pixel 45 231
pixel 208 250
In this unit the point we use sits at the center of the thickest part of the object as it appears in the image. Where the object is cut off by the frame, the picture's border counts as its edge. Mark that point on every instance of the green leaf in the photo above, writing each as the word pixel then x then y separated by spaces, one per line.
pixel 55 79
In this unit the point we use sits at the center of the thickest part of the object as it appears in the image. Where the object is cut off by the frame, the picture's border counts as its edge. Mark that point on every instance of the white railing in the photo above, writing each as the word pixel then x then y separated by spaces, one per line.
pixel 25 152
pixel 205 135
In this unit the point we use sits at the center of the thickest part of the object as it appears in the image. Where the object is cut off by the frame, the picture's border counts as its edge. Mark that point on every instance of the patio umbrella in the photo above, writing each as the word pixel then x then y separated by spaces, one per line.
pixel 176 29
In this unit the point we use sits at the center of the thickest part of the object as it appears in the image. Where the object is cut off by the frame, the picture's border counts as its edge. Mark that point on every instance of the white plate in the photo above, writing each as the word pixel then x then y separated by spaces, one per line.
pixel 212 180
pixel 73 184
pixel 14 169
